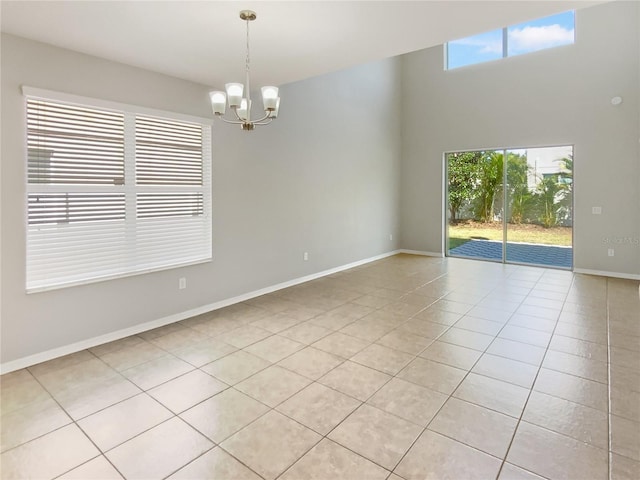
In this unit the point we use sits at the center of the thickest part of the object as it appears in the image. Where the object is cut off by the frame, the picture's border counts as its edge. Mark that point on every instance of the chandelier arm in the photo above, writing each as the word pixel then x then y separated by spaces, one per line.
pixel 262 119
pixel 260 122
pixel 234 122
pixel 240 120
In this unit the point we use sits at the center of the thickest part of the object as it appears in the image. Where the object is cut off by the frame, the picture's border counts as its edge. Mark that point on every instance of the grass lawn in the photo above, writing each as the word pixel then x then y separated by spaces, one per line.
pixel 464 230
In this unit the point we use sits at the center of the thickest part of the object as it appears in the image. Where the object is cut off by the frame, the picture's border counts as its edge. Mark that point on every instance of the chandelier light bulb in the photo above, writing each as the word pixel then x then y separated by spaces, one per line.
pixel 218 102
pixel 234 93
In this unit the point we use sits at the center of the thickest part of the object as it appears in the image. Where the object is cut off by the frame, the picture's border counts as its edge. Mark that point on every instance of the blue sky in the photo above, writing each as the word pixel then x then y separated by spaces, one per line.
pixel 525 37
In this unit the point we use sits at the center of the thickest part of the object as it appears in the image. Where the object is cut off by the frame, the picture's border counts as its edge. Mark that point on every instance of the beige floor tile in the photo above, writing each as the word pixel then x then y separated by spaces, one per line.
pixel 624 379
pixel 466 338
pixel 276 322
pixel 319 408
pixel 450 354
pixel 274 349
pixel 223 415
pixel 244 336
pixel 576 365
pixel 341 316
pixel 535 311
pixel 494 394
pixel 404 341
pixel 31 421
pixel 433 375
pixel 328 460
pixel 19 388
pixel 623 468
pixel 311 363
pixel 179 339
pixel 383 359
pixel 355 380
pixel 625 404
pixel 622 339
pixel 479 325
pixel 625 437
pixel 301 312
pixel 236 367
pixel 469 424
pixel 97 469
pixel 133 355
pixel 367 329
pixel 434 456
pixel 105 348
pixel 499 315
pixel 376 435
pixel 525 335
pixel 306 333
pixel 342 345
pixel 577 421
pixel 273 385
pixel 533 323
pixel 625 358
pixel 511 472
pixel 214 464
pixel 91 397
pixel 517 351
pixel 60 363
pixel 372 301
pixel 581 332
pixel 161 331
pixel 48 456
pixel 572 388
pixel 450 306
pixel 507 370
pixel 582 348
pixel 114 425
pixel 148 375
pixel 409 401
pixel 552 455
pixel 423 328
pixel 203 352
pixel 160 451
pixel 186 391
pixel 75 376
pixel 405 309
pixel 441 317
pixel 271 444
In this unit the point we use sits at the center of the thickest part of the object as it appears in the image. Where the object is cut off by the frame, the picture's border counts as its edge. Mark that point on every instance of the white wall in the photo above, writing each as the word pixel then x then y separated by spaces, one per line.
pixel 559 96
pixel 323 178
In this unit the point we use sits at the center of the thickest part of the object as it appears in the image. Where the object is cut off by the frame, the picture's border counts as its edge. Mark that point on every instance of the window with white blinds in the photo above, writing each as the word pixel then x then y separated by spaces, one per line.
pixel 113 190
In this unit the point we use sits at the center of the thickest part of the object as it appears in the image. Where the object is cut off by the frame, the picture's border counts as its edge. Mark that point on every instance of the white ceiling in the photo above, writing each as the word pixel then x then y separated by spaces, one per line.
pixel 203 41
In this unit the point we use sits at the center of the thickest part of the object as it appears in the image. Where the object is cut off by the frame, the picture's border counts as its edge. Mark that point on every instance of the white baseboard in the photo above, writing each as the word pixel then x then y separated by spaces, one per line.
pixel 420 252
pixel 601 273
pixel 143 327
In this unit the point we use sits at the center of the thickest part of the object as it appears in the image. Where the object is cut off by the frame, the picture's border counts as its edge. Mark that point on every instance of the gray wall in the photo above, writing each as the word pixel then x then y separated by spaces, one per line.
pixel 553 97
pixel 323 178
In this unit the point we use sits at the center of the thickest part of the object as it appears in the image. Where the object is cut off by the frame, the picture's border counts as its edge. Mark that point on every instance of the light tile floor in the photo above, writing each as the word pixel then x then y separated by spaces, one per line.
pixel 406 368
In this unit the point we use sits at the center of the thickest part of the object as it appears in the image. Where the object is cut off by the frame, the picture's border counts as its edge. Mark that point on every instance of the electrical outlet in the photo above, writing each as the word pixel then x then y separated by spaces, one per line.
pixel 182 283
pixel 596 210
pixel 611 252
pixel 305 257
pixel 391 236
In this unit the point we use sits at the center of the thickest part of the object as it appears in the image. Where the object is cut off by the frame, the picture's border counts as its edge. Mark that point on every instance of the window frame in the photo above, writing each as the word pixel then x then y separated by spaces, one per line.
pixel 129 188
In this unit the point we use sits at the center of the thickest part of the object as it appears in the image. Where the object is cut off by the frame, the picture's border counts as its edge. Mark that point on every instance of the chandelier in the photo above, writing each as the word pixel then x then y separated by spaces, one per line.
pixel 240 105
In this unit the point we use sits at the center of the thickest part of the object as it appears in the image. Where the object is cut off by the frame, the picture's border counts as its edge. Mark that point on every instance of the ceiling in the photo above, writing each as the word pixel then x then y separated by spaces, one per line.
pixel 204 41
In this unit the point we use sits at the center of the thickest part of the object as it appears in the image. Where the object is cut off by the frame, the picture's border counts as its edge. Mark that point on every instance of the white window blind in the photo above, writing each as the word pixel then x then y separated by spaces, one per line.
pixel 113 190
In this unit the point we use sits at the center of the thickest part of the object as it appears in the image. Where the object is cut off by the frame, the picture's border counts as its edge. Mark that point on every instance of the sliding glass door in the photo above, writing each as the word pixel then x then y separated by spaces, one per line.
pixel 511 205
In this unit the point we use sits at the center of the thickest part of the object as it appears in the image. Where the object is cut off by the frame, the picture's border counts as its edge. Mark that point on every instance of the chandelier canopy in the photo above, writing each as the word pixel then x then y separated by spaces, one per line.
pixel 240 105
